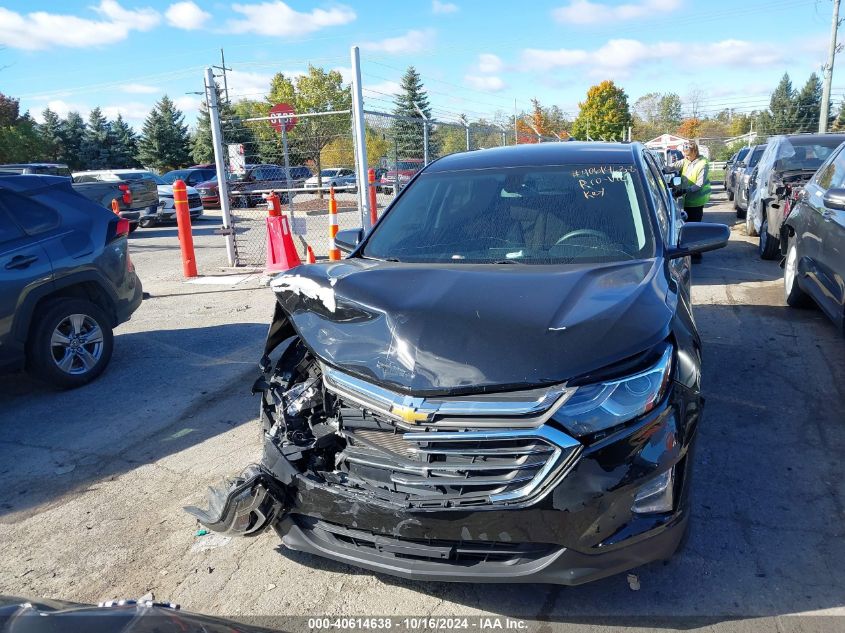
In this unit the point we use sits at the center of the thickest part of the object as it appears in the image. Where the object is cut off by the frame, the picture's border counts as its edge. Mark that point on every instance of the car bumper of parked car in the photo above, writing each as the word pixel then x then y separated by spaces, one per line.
pixel 587 523
pixel 168 214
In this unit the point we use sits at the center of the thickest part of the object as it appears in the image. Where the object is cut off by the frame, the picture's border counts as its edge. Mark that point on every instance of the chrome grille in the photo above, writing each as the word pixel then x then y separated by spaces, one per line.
pixel 446 467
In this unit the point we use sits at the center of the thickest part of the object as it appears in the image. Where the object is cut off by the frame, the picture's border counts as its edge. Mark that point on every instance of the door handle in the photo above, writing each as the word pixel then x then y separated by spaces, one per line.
pixel 21 261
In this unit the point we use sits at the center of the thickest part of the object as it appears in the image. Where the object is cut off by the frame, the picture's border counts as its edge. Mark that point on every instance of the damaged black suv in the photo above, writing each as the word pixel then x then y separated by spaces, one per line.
pixel 500 383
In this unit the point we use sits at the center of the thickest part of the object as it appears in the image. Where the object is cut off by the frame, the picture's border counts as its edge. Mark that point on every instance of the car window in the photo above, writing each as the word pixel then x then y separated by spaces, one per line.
pixel 833 173
pixel 755 155
pixel 558 215
pixel 33 217
pixel 659 194
pixel 8 230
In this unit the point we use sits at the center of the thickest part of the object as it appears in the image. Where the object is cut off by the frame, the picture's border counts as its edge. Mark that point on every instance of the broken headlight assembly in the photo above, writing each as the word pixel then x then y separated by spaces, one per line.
pixel 601 406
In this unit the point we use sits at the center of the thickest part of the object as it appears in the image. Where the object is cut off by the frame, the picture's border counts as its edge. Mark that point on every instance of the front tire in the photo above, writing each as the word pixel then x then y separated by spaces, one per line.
pixel 769 246
pixel 70 343
pixel 792 293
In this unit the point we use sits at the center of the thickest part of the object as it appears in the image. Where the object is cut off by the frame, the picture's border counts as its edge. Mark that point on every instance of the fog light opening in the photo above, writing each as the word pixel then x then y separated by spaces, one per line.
pixel 657 495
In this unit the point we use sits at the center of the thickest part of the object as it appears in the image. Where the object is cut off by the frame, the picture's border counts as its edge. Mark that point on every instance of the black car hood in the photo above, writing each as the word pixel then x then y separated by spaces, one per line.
pixel 438 329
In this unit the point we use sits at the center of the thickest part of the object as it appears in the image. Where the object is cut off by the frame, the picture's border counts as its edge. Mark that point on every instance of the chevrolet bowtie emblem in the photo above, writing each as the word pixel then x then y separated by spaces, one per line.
pixel 410 414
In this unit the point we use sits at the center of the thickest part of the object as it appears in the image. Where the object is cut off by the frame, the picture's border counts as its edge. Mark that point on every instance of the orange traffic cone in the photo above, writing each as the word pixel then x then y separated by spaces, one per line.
pixel 281 253
pixel 310 254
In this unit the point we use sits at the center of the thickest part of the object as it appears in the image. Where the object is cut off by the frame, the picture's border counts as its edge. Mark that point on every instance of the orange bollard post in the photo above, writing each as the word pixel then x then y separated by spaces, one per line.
pixel 310 253
pixel 115 207
pixel 274 205
pixel 371 178
pixel 334 251
pixel 183 222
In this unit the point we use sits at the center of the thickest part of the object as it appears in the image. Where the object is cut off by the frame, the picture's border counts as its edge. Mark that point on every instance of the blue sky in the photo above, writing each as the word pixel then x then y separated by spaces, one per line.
pixel 476 57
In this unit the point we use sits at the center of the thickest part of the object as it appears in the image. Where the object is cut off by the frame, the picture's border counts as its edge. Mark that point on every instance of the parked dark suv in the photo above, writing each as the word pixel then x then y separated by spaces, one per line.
pixel 65 280
pixel 501 383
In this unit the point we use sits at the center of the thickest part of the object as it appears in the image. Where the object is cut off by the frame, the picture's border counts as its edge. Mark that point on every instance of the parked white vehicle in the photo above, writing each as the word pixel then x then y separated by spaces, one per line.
pixel 165 211
pixel 333 177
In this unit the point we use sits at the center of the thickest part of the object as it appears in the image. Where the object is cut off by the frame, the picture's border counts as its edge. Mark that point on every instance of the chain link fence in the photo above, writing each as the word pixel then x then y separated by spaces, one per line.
pixel 300 160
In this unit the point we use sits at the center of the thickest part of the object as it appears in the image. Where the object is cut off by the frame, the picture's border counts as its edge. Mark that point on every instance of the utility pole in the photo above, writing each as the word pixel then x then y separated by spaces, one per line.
pixel 223 68
pixel 828 69
pixel 220 165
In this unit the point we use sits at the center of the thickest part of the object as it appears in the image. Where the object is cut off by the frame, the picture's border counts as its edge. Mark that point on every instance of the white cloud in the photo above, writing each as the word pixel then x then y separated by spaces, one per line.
pixel 487 83
pixel 444 7
pixel 139 89
pixel 61 108
pixel 131 111
pixel 252 85
pixel 278 19
pixel 414 41
pixel 618 56
pixel 586 12
pixel 42 30
pixel 382 89
pixel 189 105
pixel 489 63
pixel 186 15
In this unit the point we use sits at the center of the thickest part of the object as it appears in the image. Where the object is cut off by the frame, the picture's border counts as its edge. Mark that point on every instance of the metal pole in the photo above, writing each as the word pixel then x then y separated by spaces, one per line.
pixel 287 166
pixel 828 70
pixel 360 138
pixel 222 182
pixel 425 132
pixel 225 80
pixel 515 128
pixel 467 129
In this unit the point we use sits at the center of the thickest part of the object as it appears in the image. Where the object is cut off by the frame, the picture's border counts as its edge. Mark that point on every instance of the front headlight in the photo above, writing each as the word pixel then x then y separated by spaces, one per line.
pixel 603 405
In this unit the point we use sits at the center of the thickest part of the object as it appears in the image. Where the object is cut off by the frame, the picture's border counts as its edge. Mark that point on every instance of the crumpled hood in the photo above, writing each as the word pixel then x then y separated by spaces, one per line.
pixel 446 328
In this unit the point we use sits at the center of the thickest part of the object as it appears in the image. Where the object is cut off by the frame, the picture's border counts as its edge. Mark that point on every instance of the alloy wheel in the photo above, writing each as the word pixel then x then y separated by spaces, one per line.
pixel 77 344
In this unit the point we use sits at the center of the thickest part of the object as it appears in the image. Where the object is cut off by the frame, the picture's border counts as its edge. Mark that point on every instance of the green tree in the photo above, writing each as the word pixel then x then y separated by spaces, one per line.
pixel 839 122
pixel 164 143
pixel 50 132
pixel 234 130
pixel 73 134
pixel 125 145
pixel 669 111
pixel 782 109
pixel 604 115
pixel 408 132
pixel 808 105
pixel 98 141
pixel 19 138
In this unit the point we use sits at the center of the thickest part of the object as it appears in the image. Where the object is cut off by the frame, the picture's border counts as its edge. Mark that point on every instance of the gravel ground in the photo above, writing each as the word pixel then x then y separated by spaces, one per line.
pixel 92 482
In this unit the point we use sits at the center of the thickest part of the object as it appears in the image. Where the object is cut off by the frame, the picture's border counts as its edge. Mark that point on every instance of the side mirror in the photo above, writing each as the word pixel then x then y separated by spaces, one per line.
pixel 676 181
pixel 699 237
pixel 348 240
pixel 834 199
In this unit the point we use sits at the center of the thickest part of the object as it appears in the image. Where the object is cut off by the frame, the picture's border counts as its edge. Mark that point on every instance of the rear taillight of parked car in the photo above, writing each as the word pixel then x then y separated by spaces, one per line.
pixel 127 195
pixel 118 227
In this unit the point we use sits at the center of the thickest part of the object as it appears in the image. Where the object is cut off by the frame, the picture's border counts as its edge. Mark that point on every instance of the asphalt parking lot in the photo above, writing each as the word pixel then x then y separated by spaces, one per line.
pixel 92 482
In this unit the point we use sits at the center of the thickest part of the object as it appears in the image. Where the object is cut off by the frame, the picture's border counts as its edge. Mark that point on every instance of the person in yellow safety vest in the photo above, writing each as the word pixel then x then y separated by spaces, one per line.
pixel 695 182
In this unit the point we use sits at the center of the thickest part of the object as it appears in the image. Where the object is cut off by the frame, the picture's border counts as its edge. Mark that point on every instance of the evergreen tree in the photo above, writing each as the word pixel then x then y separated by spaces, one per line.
pixel 407 135
pixel 51 136
pixel 839 122
pixel 73 134
pixel 164 143
pixel 782 107
pixel 808 105
pixel 98 142
pixel 234 131
pixel 125 148
pixel 202 146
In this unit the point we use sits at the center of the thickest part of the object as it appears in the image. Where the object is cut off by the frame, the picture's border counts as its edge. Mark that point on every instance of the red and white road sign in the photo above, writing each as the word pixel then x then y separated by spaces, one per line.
pixel 282 114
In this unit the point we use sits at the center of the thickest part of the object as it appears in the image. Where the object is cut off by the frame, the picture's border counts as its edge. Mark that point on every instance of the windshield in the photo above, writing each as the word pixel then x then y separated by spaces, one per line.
pixel 742 154
pixel 755 155
pixel 138 175
pixel 545 215
pixel 330 172
pixel 805 154
pixel 170 177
